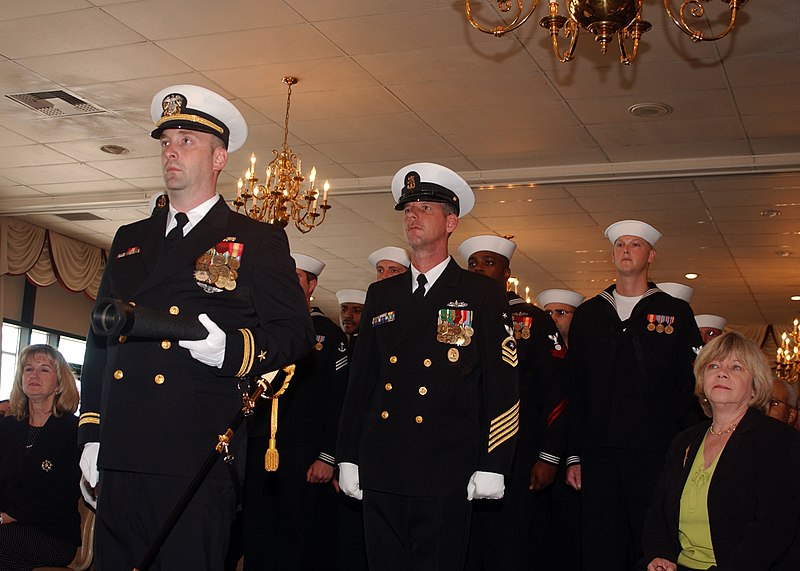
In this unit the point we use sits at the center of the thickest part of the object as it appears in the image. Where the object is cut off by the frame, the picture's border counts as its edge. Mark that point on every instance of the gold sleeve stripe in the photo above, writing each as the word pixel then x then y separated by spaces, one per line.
pixel 192 119
pixel 502 417
pixel 506 437
pixel 503 435
pixel 248 352
pixel 97 414
pixel 500 431
pixel 495 428
pixel 89 419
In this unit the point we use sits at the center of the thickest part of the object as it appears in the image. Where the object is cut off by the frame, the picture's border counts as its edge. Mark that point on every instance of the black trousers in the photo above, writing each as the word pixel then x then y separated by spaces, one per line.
pixel 617 488
pixel 412 533
pixel 527 530
pixel 288 524
pixel 132 507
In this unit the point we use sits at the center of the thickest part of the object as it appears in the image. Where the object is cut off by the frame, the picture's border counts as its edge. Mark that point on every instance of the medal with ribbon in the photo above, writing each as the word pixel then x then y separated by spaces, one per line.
pixel 454 327
pixel 218 268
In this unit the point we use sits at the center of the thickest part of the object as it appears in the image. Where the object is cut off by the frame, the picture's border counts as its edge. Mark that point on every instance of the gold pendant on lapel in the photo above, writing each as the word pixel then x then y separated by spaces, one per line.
pixel 452 354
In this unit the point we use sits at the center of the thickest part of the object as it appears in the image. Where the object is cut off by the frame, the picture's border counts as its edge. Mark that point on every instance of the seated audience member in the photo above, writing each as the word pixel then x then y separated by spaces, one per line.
pixel 39 520
pixel 4 406
pixel 783 404
pixel 727 498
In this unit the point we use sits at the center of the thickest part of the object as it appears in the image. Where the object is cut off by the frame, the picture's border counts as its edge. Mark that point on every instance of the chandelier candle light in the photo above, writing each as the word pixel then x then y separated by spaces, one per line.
pixel 282 197
pixel 787 361
pixel 605 19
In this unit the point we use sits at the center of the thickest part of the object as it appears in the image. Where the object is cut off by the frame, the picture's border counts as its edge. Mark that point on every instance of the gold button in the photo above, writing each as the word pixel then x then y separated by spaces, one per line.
pixel 384 415
pixel 174 310
pixel 388 386
pixel 132 303
pixel 166 344
pixel 393 359
pixel 419 420
pixel 423 391
pixel 427 362
pixel 118 374
pixel 159 379
pixel 123 338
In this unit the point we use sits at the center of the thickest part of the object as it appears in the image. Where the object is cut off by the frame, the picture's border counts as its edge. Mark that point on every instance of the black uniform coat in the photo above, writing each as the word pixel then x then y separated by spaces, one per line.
pixel 308 412
pixel 631 388
pixel 41 488
pixel 416 422
pixel 152 406
pixel 288 522
pixel 753 497
pixel 542 384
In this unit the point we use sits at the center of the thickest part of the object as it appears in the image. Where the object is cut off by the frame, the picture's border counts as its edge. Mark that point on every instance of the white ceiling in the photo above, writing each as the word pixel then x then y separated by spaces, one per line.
pixel 550 148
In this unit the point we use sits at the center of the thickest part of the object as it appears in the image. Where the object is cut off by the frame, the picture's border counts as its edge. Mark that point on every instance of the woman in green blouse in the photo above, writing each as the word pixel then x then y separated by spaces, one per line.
pixel 727 499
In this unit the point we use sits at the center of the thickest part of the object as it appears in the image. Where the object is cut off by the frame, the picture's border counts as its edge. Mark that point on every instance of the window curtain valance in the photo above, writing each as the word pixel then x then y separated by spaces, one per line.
pixel 47 257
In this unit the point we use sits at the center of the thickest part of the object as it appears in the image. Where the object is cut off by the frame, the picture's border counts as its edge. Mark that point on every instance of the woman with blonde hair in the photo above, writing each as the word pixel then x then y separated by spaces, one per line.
pixel 727 497
pixel 39 479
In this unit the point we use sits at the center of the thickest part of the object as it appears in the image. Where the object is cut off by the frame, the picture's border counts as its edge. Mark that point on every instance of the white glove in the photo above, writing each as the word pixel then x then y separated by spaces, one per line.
pixel 348 480
pixel 485 486
pixel 89 473
pixel 211 350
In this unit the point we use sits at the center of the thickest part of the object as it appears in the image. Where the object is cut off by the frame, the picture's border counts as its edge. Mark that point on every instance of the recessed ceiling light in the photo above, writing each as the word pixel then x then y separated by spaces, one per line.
pixel 795 298
pixel 649 110
pixel 690 276
pixel 770 212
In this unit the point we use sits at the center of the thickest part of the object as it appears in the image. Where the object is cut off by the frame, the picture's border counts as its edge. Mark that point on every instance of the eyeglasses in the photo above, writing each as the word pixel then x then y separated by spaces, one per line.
pixel 561 312
pixel 776 402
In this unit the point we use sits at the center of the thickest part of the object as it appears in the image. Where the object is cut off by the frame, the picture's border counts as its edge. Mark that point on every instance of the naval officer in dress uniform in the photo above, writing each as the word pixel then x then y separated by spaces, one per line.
pixel 432 408
pixel 631 352
pixel 153 407
pixel 516 531
pixel 290 513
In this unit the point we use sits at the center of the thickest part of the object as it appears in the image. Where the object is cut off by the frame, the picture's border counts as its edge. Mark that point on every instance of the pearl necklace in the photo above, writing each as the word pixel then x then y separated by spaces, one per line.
pixel 730 429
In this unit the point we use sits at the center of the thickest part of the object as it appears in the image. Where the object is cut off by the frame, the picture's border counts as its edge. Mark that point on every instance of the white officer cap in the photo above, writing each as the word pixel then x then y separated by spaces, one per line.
pixel 565 296
pixel 675 289
pixel 633 228
pixel 713 321
pixel 351 295
pixel 196 108
pixel 487 243
pixel 392 253
pixel 308 264
pixel 429 182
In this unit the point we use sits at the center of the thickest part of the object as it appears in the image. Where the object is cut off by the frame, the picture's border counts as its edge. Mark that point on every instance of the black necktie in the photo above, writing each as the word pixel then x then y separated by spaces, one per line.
pixel 419 293
pixel 176 233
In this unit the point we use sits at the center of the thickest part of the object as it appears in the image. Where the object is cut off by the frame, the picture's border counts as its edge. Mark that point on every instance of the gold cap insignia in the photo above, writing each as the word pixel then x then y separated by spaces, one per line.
pixel 173 104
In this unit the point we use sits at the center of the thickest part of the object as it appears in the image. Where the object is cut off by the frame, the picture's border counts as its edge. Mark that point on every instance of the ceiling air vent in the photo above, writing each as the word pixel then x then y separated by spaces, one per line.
pixel 79 216
pixel 55 103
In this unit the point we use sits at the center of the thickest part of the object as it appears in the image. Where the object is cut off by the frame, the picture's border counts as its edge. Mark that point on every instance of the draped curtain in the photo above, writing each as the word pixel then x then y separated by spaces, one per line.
pixel 47 257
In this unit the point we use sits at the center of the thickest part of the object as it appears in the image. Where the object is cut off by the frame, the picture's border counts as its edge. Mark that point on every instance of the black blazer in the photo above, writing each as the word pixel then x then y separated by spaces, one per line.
pixel 422 414
pixel 152 406
pixel 753 498
pixel 41 489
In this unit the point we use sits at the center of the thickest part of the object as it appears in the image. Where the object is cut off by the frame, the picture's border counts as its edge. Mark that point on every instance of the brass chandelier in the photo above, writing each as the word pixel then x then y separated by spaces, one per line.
pixel 605 19
pixel 283 197
pixel 787 361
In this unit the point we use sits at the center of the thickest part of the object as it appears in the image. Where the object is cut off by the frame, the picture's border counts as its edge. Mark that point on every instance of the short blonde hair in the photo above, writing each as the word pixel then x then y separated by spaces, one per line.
pixel 750 356
pixel 66 398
